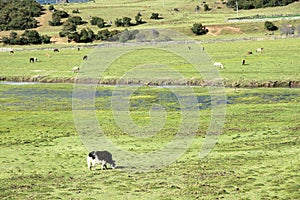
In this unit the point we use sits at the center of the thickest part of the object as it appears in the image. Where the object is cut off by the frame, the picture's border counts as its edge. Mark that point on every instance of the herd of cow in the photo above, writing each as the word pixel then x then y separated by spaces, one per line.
pixel 85 57
pixel 74 69
pixel 218 64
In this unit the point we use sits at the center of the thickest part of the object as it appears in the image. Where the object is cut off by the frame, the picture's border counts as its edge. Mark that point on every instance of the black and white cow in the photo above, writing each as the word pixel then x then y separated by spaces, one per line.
pixel 100 157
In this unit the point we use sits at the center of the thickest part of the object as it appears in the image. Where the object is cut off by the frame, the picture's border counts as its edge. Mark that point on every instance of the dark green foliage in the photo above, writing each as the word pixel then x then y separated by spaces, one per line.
pixel 118 22
pixel 97 21
pixel 138 18
pixel 154 16
pixel 251 4
pixel 107 35
pixel 199 29
pixel 28 37
pixel 77 20
pixel 206 7
pixel 61 13
pixel 46 39
pixel 75 11
pixel 270 26
pixel 85 35
pixel 57 16
pixel 55 21
pixel 125 21
pixel 19 15
pixel 51 7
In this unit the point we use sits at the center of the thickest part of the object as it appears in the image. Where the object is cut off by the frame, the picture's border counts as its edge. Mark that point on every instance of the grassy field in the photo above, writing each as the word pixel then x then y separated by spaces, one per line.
pixel 277 63
pixel 42 157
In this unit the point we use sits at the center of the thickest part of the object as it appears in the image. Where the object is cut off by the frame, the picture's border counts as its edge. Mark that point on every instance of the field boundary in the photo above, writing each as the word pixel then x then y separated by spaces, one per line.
pixel 114 44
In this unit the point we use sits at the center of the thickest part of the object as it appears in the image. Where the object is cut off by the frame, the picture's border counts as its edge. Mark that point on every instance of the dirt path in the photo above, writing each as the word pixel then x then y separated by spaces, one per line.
pixel 216 30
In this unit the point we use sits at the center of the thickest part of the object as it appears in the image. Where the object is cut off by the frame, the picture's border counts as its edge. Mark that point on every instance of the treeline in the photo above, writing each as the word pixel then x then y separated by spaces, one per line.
pixel 253 4
pixel 28 37
pixel 19 14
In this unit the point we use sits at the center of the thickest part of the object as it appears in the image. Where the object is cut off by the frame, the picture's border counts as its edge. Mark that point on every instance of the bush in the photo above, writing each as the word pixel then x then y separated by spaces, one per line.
pixel 206 7
pixel 138 18
pixel 125 21
pixel 154 16
pixel 77 20
pixel 270 26
pixel 51 7
pixel 55 21
pixel 98 22
pixel 199 29
pixel 75 11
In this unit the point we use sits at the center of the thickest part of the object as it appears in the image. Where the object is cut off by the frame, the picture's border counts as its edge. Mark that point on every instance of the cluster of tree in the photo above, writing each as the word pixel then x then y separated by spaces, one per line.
pixel 199 29
pixel 87 35
pixel 126 21
pixel 28 37
pixel 57 15
pixel 19 15
pixel 252 4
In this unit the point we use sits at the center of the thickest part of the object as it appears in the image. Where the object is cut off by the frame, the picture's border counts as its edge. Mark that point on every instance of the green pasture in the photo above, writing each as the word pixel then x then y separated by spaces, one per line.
pixel 278 62
pixel 42 157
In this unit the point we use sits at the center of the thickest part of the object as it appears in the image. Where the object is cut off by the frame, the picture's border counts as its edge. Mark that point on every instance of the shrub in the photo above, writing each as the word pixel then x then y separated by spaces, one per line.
pixel 154 16
pixel 75 11
pixel 199 29
pixel 98 22
pixel 270 26
pixel 138 18
pixel 51 7
pixel 77 20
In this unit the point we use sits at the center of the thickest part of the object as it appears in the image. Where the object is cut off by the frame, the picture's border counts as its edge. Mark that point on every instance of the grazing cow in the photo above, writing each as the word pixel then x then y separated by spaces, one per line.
pixel 11 51
pixel 189 47
pixel 78 49
pixel 32 60
pixel 85 57
pixel 55 50
pixel 97 157
pixel 218 64
pixel 250 52
pixel 75 69
pixel 243 62
pixel 259 49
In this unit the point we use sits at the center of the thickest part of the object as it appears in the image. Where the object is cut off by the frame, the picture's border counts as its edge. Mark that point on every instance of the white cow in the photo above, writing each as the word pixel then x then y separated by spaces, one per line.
pixel 75 69
pixel 259 49
pixel 218 64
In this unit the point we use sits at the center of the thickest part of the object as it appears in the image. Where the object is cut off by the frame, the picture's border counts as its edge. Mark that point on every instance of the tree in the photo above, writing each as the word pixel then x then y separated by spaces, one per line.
pixel 119 22
pixel 32 37
pixel 126 21
pixel 77 20
pixel 98 22
pixel 270 26
pixel 199 29
pixel 154 16
pixel 138 18
pixel 55 20
pixel 206 7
